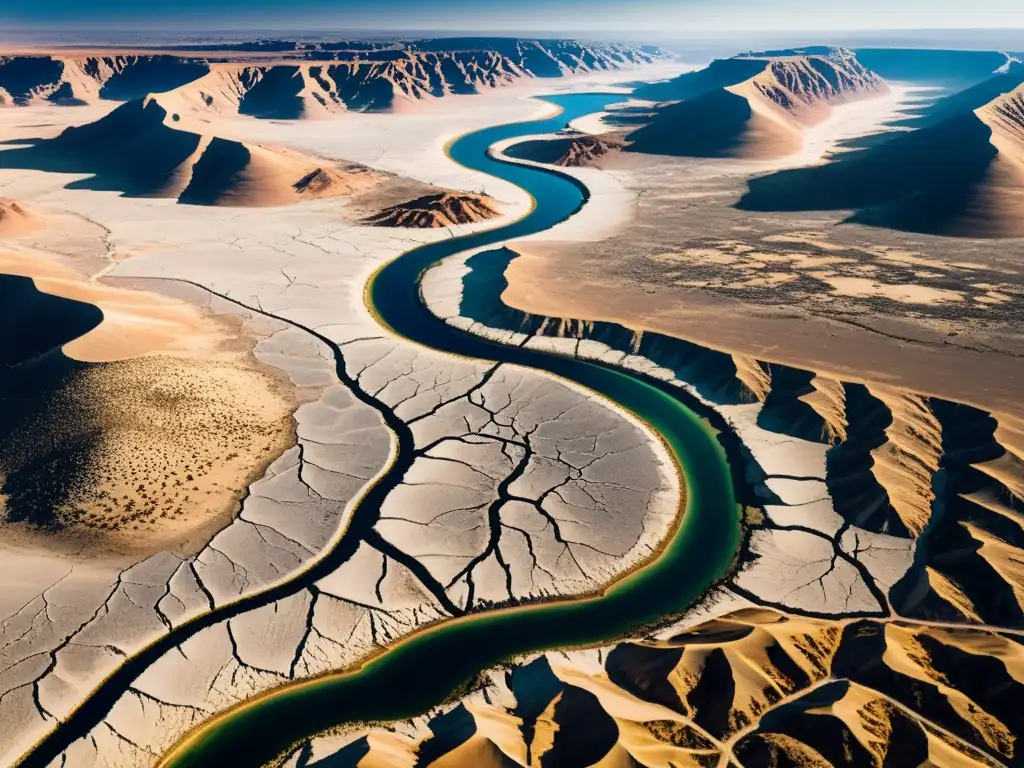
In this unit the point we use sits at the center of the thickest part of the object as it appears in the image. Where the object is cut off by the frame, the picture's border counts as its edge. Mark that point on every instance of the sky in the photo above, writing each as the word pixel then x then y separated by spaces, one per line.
pixel 554 16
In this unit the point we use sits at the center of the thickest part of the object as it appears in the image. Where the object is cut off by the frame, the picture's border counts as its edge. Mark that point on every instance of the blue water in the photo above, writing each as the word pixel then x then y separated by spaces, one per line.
pixel 421 671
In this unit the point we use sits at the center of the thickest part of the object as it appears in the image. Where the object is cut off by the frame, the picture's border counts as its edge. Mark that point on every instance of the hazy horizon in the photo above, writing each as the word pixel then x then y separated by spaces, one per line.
pixel 554 17
pixel 695 47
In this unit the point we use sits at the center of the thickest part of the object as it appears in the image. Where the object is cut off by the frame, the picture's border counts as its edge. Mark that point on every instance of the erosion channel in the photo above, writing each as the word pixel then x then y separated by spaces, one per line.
pixel 425 668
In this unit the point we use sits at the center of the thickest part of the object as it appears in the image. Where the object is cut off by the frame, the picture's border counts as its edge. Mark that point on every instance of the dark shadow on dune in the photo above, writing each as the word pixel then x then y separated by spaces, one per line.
pixel 644 671
pixel 129 151
pixel 539 150
pixel 968 439
pixel 455 77
pixel 47 435
pixel 275 95
pixel 917 182
pixel 33 323
pixel 783 411
pixel 20 75
pixel 586 732
pixel 963 101
pixel 346 757
pixel 215 172
pixel 944 68
pixel 711 125
pixel 534 686
pixel 153 74
pixel 359 91
pixel 448 732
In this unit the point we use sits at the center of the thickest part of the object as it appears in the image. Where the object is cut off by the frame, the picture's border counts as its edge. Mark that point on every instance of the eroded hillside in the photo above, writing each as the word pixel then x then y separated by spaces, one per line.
pixel 290 80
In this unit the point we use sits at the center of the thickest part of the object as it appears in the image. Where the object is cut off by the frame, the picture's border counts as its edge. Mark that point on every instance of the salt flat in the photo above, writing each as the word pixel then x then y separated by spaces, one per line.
pixel 294 276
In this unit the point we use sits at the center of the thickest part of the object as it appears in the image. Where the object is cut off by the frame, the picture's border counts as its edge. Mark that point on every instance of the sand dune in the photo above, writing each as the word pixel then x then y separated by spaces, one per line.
pixel 140 431
pixel 143 149
pixel 906 464
pixel 271 91
pixel 719 124
pixel 829 401
pixel 975 546
pixel 754 107
pixel 977 190
pixel 16 219
pixel 135 323
pixel 443 209
pixel 751 688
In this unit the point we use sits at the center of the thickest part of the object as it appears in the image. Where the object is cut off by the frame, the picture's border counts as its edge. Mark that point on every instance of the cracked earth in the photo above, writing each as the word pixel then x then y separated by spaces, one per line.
pixel 508 487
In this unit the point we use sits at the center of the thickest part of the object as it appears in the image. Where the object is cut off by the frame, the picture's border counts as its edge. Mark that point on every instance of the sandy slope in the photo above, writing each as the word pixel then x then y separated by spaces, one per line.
pixel 752 688
pixel 963 176
pixel 135 323
pixel 154 438
pixel 143 149
pixel 726 112
pixel 16 219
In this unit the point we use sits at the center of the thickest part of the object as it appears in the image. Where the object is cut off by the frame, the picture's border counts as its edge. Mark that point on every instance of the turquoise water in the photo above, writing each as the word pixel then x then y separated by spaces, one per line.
pixel 424 669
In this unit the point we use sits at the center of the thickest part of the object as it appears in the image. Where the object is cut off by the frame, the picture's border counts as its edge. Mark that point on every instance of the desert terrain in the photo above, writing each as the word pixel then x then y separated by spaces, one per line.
pixel 857 654
pixel 769 247
pixel 212 334
pixel 225 478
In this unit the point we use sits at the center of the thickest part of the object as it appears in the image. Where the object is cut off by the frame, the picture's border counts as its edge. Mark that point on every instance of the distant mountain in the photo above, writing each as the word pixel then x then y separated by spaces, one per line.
pixel 963 176
pixel 753 106
pixel 26 80
pixel 356 75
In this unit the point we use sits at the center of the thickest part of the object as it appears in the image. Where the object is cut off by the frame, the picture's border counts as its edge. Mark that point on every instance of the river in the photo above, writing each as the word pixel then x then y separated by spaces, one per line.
pixel 426 667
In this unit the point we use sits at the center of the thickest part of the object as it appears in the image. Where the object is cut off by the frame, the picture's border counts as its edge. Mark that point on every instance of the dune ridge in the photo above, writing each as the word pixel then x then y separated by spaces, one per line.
pixel 752 687
pixel 134 324
pixel 976 191
pixel 144 149
pixel 137 420
pixel 729 112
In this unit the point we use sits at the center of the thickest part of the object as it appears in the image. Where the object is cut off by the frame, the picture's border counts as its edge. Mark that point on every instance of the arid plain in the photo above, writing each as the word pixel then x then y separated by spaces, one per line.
pixel 224 474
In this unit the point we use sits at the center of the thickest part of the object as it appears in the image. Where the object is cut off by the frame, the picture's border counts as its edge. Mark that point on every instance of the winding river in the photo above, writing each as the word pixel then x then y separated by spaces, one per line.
pixel 426 667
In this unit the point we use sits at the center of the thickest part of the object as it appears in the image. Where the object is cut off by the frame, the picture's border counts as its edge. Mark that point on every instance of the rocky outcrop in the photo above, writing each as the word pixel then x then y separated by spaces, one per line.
pixel 443 209
pixel 571 151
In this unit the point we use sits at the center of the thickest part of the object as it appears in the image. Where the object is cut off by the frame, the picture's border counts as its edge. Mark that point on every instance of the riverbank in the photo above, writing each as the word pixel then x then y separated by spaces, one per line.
pixel 642 598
